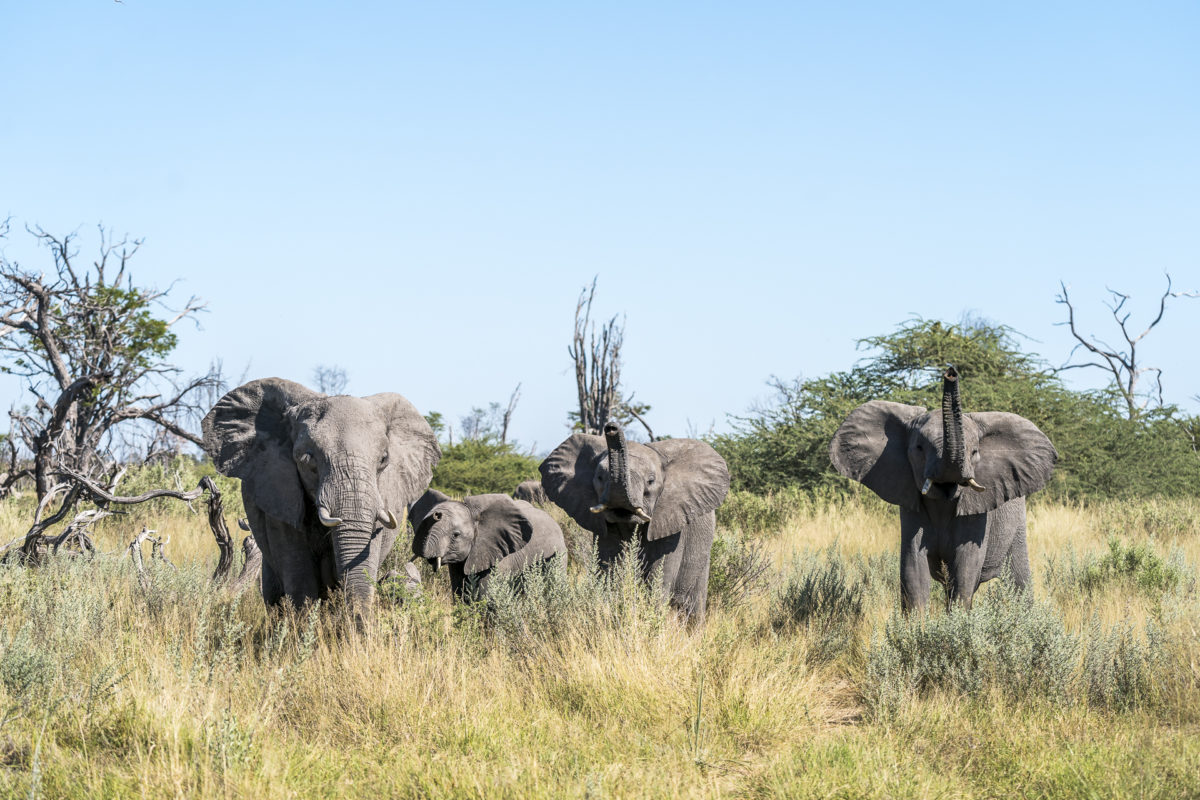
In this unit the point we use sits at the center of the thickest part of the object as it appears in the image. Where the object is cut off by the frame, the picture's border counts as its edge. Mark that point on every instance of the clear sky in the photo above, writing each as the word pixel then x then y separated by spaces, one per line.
pixel 418 192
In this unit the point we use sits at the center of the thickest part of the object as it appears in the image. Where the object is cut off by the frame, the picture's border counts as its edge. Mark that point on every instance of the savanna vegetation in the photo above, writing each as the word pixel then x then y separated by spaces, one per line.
pixel 805 681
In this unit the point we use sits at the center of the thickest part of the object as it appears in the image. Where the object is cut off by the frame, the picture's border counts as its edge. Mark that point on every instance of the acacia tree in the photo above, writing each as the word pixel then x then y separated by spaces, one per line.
pixel 92 353
pixel 1122 362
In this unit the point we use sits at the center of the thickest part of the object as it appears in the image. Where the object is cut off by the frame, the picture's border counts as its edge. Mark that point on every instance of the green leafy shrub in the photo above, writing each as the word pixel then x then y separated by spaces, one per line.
pixel 821 594
pixel 482 466
pixel 737 569
pixel 1008 641
pixel 1137 565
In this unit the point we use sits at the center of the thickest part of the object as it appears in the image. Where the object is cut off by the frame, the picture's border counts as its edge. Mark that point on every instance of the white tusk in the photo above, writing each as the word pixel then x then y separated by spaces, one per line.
pixel 642 515
pixel 244 524
pixel 928 483
pixel 437 563
pixel 599 508
pixel 326 520
pixel 971 482
pixel 386 519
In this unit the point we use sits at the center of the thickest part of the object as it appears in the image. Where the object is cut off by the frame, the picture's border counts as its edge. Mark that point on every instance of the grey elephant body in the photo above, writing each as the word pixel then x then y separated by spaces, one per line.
pixel 531 492
pixel 661 495
pixel 323 480
pixel 960 481
pixel 496 535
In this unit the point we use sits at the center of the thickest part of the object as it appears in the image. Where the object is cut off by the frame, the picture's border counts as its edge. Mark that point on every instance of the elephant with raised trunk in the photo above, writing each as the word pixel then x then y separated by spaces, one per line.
pixel 531 492
pixel 325 481
pixel 960 481
pixel 663 495
pixel 481 536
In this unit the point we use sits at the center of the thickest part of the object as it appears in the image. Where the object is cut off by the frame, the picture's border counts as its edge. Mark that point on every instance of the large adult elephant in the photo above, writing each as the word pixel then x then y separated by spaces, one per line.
pixel 960 481
pixel 325 481
pixel 663 495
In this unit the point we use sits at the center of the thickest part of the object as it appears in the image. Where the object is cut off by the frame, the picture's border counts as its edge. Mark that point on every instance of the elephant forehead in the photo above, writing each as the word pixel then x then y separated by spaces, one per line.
pixel 641 465
pixel 931 428
pixel 333 420
pixel 453 513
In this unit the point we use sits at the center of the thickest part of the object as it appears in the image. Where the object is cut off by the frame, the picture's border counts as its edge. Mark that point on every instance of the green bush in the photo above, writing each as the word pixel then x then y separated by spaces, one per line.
pixel 482 466
pixel 737 569
pixel 1136 565
pixel 821 594
pixel 1008 641
pixel 1119 666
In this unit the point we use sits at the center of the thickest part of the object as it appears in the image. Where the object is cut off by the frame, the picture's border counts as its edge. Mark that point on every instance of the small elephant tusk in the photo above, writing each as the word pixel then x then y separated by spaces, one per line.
pixel 326 520
pixel 925 487
pixel 244 524
pixel 599 508
pixel 642 515
pixel 971 482
pixel 386 519
pixel 437 563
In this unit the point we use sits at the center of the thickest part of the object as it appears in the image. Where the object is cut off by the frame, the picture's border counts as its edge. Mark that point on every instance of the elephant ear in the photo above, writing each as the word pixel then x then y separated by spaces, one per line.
pixel 1015 460
pixel 871 447
pixel 695 481
pixel 419 510
pixel 567 475
pixel 501 528
pixel 247 434
pixel 412 451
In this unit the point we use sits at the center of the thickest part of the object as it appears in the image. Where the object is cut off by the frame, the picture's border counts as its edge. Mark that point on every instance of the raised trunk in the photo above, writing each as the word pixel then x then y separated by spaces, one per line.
pixel 618 466
pixel 954 455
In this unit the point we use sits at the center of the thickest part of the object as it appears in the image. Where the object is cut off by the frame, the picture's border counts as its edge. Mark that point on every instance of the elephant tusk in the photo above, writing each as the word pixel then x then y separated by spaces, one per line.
pixel 437 563
pixel 599 508
pixel 642 515
pixel 925 487
pixel 244 524
pixel 326 520
pixel 386 519
pixel 971 482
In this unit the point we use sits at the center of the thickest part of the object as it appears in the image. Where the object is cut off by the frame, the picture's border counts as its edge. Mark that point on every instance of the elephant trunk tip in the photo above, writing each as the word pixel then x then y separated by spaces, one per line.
pixel 951 374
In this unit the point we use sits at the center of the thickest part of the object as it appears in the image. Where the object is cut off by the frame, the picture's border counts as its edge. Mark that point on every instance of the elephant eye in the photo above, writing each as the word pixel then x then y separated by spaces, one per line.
pixel 383 460
pixel 307 459
pixel 920 448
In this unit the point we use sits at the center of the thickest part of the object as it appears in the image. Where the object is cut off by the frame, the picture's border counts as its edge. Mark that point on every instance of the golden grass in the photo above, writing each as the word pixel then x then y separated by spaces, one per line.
pixel 186 692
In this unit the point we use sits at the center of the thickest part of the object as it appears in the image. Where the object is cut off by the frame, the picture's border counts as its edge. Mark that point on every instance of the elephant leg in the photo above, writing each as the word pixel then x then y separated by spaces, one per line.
pixel 689 585
pixel 269 584
pixel 1018 560
pixel 970 551
pixel 292 562
pixel 914 563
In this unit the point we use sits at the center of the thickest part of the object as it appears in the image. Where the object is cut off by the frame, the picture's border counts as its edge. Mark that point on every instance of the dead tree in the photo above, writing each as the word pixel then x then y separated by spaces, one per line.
pixel 508 412
pixel 597 362
pixel 330 380
pixel 92 353
pixel 1122 362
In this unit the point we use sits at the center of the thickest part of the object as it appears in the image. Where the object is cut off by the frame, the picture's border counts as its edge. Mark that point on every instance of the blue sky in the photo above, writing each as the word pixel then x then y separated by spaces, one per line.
pixel 418 192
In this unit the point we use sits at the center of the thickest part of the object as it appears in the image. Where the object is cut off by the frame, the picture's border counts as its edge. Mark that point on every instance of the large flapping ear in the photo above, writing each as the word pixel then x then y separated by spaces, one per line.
pixel 419 510
pixel 567 475
pixel 1015 460
pixel 871 447
pixel 412 451
pixel 695 481
pixel 248 436
pixel 500 530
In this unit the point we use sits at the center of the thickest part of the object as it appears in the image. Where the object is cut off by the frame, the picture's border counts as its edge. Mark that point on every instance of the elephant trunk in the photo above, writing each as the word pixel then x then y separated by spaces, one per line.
pixel 352 498
pixel 618 466
pixel 954 453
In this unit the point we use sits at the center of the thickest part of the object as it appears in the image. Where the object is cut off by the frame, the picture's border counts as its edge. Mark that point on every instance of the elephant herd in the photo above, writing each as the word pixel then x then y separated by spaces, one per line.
pixel 326 481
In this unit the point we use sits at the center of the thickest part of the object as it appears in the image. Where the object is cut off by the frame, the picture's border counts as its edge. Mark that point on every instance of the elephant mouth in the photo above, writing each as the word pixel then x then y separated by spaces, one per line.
pixel 621 515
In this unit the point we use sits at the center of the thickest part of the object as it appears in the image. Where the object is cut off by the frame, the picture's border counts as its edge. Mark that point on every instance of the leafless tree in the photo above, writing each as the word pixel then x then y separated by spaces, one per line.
pixel 508 412
pixel 1123 361
pixel 597 362
pixel 92 353
pixel 330 380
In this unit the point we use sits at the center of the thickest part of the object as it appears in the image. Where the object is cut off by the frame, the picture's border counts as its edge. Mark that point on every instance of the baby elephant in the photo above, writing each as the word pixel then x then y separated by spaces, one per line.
pixel 531 492
pixel 482 535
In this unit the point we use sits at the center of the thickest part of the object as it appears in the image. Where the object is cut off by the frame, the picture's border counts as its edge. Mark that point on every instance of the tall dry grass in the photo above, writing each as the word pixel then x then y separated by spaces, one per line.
pixel 579 687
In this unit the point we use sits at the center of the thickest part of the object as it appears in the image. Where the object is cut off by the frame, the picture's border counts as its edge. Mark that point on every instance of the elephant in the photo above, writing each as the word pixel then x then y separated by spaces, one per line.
pixel 323 481
pixel 960 482
pixel 663 495
pixel 481 536
pixel 531 492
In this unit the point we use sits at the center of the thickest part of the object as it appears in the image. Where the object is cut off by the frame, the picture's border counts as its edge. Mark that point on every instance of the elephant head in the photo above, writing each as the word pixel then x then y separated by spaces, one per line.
pixel 665 484
pixel 977 461
pixel 344 464
pixel 477 532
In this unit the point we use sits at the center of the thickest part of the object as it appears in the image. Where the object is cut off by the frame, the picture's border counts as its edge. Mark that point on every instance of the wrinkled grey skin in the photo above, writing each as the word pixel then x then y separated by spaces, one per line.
pixel 531 492
pixel 484 535
pixel 663 495
pixel 954 532
pixel 301 454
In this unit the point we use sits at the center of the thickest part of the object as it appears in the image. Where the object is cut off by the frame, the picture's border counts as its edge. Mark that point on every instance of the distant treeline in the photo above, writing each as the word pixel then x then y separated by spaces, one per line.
pixel 1102 452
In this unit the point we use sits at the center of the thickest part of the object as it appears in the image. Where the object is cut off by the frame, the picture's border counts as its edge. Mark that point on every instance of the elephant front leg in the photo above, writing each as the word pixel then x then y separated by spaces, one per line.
pixel 914 563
